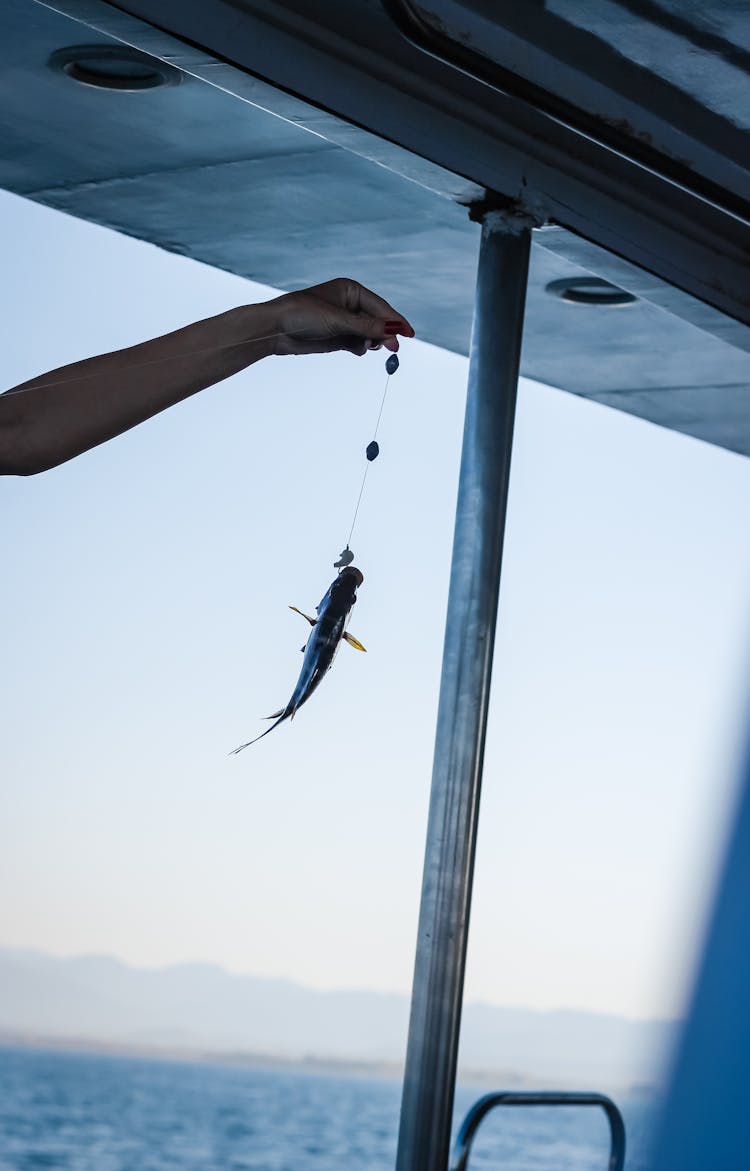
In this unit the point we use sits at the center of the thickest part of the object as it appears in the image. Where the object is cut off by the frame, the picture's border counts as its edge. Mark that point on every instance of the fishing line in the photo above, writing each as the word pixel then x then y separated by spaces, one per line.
pixel 372 451
pixel 356 510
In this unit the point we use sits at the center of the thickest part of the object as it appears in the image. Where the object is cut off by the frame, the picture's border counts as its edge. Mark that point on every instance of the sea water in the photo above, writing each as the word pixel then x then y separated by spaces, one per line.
pixel 98 1112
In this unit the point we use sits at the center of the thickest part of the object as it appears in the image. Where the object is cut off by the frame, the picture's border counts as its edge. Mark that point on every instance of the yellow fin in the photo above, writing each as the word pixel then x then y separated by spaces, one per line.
pixel 354 642
pixel 312 621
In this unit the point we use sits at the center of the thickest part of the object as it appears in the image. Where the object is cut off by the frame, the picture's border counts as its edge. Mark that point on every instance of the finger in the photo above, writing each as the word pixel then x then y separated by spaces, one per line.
pixel 346 293
pixel 372 329
pixel 374 305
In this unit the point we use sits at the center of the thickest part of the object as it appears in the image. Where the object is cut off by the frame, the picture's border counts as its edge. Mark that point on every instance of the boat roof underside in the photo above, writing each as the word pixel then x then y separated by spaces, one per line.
pixel 238 172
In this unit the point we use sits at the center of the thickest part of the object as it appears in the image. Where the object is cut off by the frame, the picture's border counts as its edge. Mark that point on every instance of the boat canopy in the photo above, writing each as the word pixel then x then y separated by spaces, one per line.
pixel 309 138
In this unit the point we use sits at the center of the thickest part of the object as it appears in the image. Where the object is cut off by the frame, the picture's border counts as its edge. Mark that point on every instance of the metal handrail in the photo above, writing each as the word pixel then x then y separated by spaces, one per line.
pixel 480 1109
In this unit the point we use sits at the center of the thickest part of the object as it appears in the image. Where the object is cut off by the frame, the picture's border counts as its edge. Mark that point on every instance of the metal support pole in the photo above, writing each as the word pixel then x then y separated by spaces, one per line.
pixel 430 1074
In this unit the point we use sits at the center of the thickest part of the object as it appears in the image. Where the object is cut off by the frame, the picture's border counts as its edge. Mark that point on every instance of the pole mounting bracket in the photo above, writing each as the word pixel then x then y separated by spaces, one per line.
pixel 510 215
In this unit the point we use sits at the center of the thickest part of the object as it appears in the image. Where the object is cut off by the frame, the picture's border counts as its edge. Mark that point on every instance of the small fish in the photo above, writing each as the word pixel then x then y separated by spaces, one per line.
pixel 328 629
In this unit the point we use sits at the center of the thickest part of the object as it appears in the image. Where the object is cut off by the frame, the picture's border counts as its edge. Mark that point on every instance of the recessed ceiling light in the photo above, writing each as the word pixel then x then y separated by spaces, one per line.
pixel 590 290
pixel 114 67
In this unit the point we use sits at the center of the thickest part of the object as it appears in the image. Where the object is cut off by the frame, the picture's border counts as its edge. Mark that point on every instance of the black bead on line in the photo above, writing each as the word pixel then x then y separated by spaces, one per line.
pixel 372 451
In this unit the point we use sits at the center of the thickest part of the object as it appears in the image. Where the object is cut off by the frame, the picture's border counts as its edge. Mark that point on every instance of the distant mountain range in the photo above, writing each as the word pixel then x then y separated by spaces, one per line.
pixel 202 1008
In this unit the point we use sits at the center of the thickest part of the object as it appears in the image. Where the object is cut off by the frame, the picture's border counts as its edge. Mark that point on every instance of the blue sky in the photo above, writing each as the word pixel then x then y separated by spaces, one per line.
pixel 145 591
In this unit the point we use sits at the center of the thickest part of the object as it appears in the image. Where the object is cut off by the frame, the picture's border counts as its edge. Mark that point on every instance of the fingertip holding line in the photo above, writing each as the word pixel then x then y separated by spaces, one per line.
pixel 393 327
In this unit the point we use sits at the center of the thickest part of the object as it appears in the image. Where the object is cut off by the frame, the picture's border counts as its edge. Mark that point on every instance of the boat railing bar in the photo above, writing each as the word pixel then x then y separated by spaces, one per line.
pixel 483 1106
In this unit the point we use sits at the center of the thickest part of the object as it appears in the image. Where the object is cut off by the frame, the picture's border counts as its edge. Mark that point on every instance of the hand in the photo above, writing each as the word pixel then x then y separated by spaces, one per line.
pixel 338 315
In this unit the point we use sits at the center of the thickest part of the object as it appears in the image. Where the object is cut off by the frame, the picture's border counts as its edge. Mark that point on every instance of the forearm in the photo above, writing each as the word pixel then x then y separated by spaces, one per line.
pixel 52 418
pixel 58 415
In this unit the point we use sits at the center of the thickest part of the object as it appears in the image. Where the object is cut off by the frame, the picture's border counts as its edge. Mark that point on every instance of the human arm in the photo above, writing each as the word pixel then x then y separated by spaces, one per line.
pixel 52 418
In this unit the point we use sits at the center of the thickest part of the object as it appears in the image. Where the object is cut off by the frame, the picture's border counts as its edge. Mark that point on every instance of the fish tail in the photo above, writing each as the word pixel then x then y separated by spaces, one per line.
pixel 240 748
pixel 282 715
